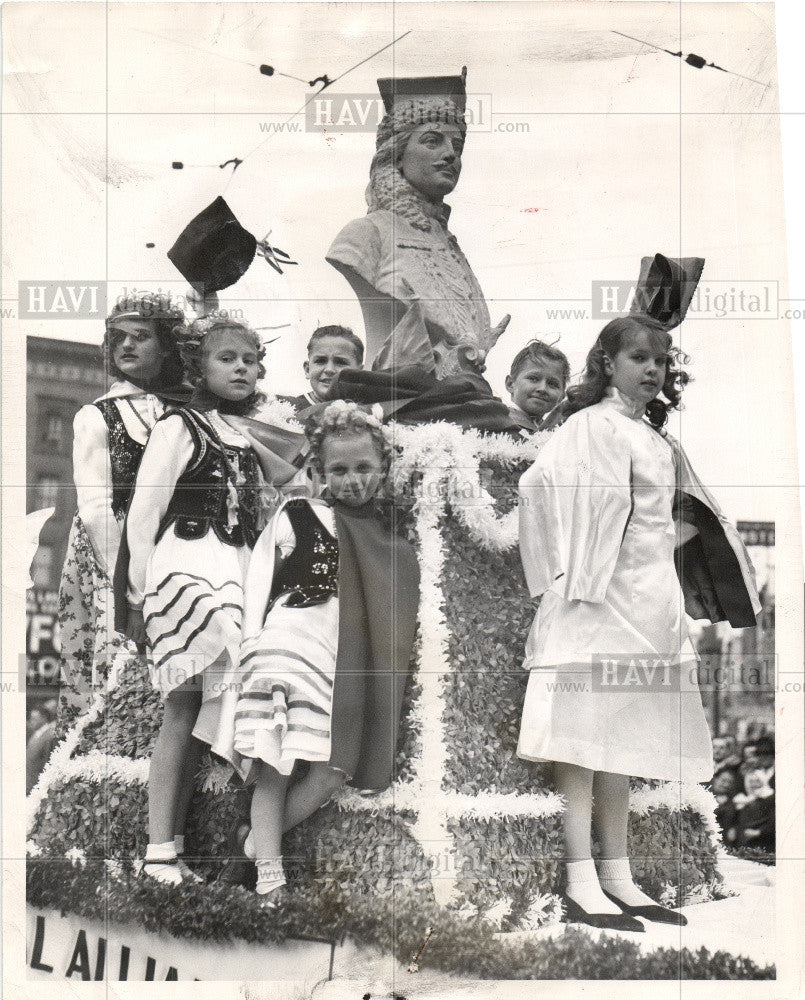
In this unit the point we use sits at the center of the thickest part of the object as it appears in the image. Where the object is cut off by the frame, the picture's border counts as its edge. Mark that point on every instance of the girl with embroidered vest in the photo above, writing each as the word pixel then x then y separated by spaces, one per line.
pixel 109 436
pixel 331 600
pixel 612 689
pixel 196 512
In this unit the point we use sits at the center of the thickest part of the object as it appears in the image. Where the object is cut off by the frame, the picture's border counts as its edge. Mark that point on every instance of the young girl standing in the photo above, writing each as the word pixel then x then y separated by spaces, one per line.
pixel 331 601
pixel 194 517
pixel 109 436
pixel 598 540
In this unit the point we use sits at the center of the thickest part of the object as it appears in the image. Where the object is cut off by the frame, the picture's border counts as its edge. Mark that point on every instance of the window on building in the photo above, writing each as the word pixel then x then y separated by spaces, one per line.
pixel 47 492
pixel 55 429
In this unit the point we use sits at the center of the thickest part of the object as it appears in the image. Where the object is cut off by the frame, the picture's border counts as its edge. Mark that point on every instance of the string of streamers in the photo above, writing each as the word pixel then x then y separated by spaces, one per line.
pixel 698 62
pixel 267 70
pixel 264 69
pixel 327 83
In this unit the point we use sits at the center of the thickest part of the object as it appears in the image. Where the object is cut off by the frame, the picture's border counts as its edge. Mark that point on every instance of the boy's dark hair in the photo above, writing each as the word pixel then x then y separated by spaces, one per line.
pixel 337 331
pixel 537 350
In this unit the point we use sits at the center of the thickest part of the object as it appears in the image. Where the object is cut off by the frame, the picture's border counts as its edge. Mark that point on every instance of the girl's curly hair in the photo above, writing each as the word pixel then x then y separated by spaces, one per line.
pixel 616 335
pixel 344 419
pixel 165 316
pixel 195 340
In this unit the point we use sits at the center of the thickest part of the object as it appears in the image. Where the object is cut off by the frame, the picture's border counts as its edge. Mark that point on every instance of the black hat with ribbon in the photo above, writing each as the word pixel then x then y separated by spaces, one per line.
pixel 214 250
pixel 666 286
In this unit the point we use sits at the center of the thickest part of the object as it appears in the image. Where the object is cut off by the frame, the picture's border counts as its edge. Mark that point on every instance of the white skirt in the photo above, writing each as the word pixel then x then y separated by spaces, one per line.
pixel 647 733
pixel 193 609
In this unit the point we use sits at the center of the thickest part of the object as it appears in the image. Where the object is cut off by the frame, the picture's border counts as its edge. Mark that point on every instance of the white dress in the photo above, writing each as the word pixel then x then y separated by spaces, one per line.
pixel 612 683
pixel 190 589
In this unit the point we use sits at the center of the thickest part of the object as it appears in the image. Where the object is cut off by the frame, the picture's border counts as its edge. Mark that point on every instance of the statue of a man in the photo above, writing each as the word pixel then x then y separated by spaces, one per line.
pixel 423 308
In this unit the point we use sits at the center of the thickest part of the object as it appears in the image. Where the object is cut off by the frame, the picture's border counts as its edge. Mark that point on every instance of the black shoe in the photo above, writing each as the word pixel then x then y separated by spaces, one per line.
pixel 613 921
pixel 238 869
pixel 659 914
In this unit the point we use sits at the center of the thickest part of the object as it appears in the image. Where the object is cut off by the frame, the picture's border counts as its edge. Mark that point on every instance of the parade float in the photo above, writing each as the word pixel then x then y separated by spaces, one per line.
pixel 467 830
pixel 468 839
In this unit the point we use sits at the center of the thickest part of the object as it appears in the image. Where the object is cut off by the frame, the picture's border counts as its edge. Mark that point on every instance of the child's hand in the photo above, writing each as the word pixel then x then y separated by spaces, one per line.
pixel 135 626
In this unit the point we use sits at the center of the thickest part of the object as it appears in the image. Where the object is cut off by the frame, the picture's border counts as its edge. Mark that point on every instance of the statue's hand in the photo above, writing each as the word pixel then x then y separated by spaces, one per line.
pixel 496 332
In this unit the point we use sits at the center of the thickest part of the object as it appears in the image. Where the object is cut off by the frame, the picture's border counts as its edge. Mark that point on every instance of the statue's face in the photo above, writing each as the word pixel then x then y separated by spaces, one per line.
pixel 432 159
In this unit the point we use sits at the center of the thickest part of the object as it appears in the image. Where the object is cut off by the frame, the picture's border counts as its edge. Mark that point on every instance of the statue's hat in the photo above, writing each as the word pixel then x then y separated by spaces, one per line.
pixel 214 250
pixel 666 286
pixel 393 89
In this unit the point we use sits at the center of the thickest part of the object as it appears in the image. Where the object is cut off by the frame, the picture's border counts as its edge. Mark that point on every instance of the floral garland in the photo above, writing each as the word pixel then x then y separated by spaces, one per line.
pixel 430 829
pixel 61 761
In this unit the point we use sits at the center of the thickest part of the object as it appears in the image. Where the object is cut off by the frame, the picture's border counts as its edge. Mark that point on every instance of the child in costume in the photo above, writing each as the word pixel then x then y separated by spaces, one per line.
pixel 109 437
pixel 598 541
pixel 329 624
pixel 196 512
pixel 330 350
pixel 536 383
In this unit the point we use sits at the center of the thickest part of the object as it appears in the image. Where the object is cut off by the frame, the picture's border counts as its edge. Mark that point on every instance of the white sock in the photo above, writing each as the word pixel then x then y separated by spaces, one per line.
pixel 178 843
pixel 584 889
pixel 170 873
pixel 270 875
pixel 616 877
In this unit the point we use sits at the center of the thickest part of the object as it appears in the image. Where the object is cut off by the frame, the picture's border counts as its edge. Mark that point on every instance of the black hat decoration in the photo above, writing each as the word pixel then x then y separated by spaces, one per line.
pixel 214 250
pixel 666 286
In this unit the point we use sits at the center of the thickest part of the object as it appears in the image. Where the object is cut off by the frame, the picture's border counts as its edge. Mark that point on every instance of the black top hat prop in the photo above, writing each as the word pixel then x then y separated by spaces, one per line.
pixel 214 250
pixel 666 286
pixel 393 89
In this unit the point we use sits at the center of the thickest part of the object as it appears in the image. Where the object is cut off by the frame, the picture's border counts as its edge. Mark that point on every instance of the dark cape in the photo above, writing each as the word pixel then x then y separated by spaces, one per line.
pixel 378 588
pixel 413 395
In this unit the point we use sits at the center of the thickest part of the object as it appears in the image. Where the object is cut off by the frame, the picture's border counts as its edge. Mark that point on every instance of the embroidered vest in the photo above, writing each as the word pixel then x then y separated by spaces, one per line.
pixel 125 455
pixel 199 500
pixel 310 573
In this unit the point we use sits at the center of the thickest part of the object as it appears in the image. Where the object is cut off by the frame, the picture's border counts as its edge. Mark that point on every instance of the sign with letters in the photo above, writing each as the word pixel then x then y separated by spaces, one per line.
pixel 75 948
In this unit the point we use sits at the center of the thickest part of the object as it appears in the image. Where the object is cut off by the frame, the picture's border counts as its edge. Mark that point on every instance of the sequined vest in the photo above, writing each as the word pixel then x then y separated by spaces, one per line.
pixel 199 501
pixel 310 573
pixel 125 455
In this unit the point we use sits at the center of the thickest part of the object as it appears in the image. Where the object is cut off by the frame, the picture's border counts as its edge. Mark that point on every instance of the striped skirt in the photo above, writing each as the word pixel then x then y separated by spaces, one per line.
pixel 286 686
pixel 193 611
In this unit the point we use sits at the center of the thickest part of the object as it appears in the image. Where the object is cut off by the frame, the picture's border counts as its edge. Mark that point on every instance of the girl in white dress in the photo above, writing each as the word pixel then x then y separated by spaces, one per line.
pixel 109 437
pixel 612 689
pixel 196 512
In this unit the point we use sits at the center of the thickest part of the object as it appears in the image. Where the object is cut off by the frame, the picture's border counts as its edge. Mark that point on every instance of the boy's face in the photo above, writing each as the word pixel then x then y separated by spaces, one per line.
pixel 537 387
pixel 327 357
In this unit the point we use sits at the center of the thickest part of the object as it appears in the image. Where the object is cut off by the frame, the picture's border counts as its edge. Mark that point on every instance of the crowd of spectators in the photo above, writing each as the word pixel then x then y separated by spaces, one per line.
pixel 743 785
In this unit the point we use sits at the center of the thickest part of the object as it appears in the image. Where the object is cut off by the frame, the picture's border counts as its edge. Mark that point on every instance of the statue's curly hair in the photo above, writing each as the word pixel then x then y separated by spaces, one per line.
pixel 345 419
pixel 195 339
pixel 615 335
pixel 158 308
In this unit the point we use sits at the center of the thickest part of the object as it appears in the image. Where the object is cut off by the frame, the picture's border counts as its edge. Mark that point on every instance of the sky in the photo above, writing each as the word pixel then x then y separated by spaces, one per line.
pixel 588 166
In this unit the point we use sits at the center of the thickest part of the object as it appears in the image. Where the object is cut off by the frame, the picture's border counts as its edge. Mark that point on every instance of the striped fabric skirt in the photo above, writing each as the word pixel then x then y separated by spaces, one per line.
pixel 286 686
pixel 193 610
